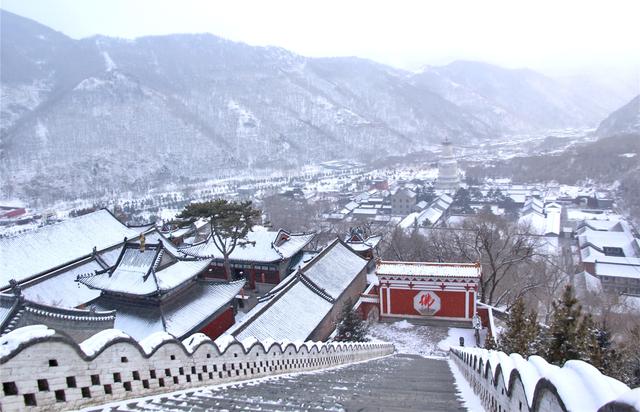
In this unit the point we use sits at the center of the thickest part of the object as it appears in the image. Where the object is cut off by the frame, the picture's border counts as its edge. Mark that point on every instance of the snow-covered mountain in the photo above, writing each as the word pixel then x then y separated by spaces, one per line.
pixel 625 120
pixel 509 100
pixel 90 116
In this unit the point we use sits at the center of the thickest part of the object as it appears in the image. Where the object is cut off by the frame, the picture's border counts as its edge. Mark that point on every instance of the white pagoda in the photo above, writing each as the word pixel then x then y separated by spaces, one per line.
pixel 448 176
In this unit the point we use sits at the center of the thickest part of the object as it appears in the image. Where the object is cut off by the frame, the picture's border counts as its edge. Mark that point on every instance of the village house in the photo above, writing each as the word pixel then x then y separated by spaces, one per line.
pixel 403 201
pixel 608 250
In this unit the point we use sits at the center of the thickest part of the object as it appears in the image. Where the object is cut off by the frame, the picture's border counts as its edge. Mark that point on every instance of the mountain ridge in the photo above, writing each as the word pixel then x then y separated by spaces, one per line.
pixel 190 105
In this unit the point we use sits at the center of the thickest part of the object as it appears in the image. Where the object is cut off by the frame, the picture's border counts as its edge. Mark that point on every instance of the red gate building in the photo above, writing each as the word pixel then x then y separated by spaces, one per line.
pixel 428 289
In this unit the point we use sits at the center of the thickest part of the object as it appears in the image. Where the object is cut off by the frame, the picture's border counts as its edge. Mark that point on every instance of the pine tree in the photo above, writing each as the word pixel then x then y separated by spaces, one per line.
pixel 522 331
pixel 351 327
pixel 607 358
pixel 571 334
pixel 490 343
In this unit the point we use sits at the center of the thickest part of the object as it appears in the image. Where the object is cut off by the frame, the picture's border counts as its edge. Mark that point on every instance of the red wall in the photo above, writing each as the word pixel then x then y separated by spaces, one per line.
pixel 220 324
pixel 451 303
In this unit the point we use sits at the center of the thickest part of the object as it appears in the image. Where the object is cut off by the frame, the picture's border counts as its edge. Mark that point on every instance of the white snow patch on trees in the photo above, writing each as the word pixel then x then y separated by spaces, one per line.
pixel 108 62
pixel 42 132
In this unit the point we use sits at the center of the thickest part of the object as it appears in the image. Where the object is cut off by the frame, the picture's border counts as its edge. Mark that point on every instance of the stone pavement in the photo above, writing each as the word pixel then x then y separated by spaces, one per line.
pixel 396 383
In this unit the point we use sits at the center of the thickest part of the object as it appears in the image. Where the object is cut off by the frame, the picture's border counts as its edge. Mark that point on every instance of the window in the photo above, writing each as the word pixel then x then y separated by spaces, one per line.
pixel 9 388
pixel 86 392
pixel 30 399
pixel 613 251
pixel 43 385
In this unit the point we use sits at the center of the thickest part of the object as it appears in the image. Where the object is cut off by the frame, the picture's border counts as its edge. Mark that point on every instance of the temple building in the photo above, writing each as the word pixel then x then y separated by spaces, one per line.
pixel 306 305
pixel 448 175
pixel 37 254
pixel 363 245
pixel 151 290
pixel 427 289
pixel 16 311
pixel 268 258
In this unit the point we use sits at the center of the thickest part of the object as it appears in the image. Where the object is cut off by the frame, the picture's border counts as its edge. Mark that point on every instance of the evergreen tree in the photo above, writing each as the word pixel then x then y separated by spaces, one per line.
pixel 522 331
pixel 490 343
pixel 607 358
pixel 570 333
pixel 229 224
pixel 351 327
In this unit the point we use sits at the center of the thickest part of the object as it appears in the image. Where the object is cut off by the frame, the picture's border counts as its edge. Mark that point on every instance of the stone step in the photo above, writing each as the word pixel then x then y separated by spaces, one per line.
pixel 394 383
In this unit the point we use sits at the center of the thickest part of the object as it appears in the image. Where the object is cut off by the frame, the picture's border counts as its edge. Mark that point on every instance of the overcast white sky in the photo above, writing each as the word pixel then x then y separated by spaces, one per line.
pixel 554 36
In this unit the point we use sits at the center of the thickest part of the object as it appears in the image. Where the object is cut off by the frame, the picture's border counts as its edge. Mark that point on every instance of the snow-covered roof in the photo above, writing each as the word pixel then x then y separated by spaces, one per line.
pixel 428 269
pixel 601 225
pixel 351 205
pixel 61 289
pixel 535 222
pixel 146 271
pixel 552 223
pixel 619 270
pixel 266 246
pixel 37 252
pixel 432 214
pixel 294 309
pixel 366 244
pixel 13 307
pixel 422 204
pixel 593 242
pixel 534 205
pixel 364 211
pixel 184 313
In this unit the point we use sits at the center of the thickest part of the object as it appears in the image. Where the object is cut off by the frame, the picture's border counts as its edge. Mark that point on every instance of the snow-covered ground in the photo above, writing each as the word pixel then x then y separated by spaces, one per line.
pixel 427 341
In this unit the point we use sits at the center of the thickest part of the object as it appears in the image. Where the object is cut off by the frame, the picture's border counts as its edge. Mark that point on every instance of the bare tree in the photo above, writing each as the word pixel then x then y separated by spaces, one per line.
pixel 505 250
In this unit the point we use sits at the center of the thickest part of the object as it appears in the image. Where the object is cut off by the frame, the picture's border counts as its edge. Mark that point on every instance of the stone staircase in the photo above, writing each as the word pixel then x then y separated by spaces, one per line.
pixel 394 383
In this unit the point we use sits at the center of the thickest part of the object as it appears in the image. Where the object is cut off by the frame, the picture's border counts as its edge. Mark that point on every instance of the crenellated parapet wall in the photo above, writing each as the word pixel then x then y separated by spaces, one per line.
pixel 512 383
pixel 46 370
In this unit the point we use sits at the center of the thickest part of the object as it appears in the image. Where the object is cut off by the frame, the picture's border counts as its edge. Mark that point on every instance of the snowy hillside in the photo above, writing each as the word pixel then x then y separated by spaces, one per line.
pixel 97 115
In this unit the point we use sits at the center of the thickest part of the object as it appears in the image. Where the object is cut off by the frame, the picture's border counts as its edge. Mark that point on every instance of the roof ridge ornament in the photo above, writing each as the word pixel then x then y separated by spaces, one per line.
pixel 142 242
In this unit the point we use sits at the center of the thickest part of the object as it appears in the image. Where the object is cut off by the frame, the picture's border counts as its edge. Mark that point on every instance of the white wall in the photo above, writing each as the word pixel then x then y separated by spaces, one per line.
pixel 122 367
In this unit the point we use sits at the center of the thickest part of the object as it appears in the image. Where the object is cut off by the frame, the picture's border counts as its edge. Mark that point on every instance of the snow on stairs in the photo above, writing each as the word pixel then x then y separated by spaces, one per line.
pixel 399 382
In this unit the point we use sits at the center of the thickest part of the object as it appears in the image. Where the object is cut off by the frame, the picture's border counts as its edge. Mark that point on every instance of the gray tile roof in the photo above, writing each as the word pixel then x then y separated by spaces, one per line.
pixel 294 309
pixel 269 247
pixel 144 272
pixel 180 314
pixel 30 254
